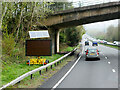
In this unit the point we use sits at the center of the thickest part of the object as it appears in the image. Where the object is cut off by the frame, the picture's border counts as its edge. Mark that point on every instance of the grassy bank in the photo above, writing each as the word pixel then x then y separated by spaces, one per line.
pixel 13 67
pixel 116 47
pixel 65 48
pixel 14 70
pixel 40 79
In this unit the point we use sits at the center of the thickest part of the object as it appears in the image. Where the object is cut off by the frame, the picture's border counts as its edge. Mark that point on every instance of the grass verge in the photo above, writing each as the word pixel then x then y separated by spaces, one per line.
pixel 116 47
pixel 65 48
pixel 39 79
pixel 14 70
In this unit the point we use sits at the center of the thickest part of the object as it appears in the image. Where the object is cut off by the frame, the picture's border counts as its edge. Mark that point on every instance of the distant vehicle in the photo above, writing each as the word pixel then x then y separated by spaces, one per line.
pixel 92 53
pixel 101 41
pixel 86 43
pixel 115 42
pixel 105 42
pixel 95 43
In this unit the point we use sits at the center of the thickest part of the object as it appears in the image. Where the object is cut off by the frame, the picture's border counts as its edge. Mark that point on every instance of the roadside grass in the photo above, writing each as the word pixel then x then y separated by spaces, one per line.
pixel 116 47
pixel 65 48
pixel 40 79
pixel 69 49
pixel 0 60
pixel 13 67
pixel 14 70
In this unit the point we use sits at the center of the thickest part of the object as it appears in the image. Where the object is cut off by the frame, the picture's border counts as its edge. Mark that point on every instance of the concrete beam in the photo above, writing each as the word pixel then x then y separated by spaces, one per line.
pixel 84 15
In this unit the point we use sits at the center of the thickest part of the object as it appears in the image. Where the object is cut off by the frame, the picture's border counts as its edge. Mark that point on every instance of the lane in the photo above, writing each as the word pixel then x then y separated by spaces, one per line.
pixel 111 54
pixel 94 74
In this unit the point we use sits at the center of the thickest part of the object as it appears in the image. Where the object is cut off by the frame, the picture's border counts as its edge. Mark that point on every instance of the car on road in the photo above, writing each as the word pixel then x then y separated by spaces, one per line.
pixel 92 53
pixel 94 43
pixel 86 43
pixel 101 41
pixel 116 42
pixel 105 42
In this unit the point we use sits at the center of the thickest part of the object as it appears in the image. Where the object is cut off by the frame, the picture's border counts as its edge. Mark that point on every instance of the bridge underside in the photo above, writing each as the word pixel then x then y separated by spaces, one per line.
pixel 87 20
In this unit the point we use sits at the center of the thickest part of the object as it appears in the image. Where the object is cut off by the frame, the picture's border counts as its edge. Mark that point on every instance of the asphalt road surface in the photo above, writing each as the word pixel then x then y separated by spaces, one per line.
pixel 101 73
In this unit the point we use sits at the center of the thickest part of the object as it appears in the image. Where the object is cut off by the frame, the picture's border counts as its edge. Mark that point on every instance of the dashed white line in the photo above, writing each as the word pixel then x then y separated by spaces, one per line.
pixel 108 62
pixel 113 70
pixel 106 57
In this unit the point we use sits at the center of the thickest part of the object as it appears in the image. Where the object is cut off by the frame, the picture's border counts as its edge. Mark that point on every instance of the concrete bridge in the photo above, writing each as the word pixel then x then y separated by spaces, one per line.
pixel 79 16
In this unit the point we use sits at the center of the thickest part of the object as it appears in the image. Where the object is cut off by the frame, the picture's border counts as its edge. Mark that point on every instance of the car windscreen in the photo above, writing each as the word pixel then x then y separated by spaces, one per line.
pixel 92 50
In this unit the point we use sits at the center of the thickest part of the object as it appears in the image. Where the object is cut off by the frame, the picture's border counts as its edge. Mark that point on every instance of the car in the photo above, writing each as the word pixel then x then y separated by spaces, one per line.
pixel 115 42
pixel 105 42
pixel 92 53
pixel 86 43
pixel 101 41
pixel 94 43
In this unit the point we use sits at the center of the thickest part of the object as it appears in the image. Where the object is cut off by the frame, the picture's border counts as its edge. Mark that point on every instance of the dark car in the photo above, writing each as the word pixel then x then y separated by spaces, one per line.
pixel 92 53
pixel 94 43
pixel 86 43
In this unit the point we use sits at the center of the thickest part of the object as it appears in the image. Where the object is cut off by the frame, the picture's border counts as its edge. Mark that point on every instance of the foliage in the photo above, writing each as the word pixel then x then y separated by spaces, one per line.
pixel 19 17
pixel 8 44
pixel 72 35
pixel 111 34
pixel 69 48
pixel 58 6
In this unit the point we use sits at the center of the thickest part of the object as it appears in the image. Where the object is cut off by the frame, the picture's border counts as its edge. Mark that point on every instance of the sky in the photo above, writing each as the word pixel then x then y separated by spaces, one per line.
pixel 101 26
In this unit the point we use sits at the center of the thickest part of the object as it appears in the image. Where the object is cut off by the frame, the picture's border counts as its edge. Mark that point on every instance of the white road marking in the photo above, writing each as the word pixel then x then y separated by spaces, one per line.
pixel 108 62
pixel 106 57
pixel 56 85
pixel 113 70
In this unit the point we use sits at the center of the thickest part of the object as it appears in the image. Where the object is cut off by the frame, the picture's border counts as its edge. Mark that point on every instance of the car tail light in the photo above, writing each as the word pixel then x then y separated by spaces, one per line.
pixel 97 52
pixel 87 52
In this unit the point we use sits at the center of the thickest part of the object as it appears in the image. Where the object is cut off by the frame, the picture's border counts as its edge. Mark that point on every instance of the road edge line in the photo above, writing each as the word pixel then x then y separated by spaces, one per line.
pixel 56 85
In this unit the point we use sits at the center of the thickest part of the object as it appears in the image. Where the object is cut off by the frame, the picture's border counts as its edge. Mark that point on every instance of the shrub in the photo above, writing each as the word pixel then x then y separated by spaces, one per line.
pixel 8 44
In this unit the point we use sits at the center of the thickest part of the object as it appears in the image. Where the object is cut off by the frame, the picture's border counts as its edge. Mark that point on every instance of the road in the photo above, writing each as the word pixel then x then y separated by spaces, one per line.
pixel 101 73
pixel 94 74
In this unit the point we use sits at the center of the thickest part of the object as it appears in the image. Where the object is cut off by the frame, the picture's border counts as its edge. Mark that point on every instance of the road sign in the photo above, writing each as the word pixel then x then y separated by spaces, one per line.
pixel 38 47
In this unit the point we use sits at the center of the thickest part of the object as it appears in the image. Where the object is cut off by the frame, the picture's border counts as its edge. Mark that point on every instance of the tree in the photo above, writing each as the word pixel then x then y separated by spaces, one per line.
pixel 18 17
pixel 72 35
pixel 112 33
pixel 58 6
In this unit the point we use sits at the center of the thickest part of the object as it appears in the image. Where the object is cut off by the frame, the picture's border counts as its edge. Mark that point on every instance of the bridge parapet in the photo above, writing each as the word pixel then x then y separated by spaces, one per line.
pixel 83 15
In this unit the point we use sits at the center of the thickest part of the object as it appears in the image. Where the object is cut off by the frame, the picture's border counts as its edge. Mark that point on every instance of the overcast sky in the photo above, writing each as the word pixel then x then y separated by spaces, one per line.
pixel 101 25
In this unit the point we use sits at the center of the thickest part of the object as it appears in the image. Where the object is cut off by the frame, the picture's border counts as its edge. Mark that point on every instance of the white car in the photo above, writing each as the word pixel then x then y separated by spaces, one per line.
pixel 115 42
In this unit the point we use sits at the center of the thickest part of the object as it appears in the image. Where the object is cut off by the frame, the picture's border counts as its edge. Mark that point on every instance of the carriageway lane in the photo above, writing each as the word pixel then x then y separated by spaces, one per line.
pixel 94 74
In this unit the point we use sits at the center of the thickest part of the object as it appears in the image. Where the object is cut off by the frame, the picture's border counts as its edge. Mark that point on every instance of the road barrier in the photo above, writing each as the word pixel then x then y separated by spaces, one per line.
pixel 111 44
pixel 37 69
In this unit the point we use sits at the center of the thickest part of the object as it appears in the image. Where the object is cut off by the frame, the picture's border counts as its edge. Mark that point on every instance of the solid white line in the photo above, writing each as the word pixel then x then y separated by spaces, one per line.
pixel 56 85
pixel 106 58
pixel 108 62
pixel 113 70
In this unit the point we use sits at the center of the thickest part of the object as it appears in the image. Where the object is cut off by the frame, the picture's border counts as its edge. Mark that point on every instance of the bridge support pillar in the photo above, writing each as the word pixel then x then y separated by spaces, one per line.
pixel 54 35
